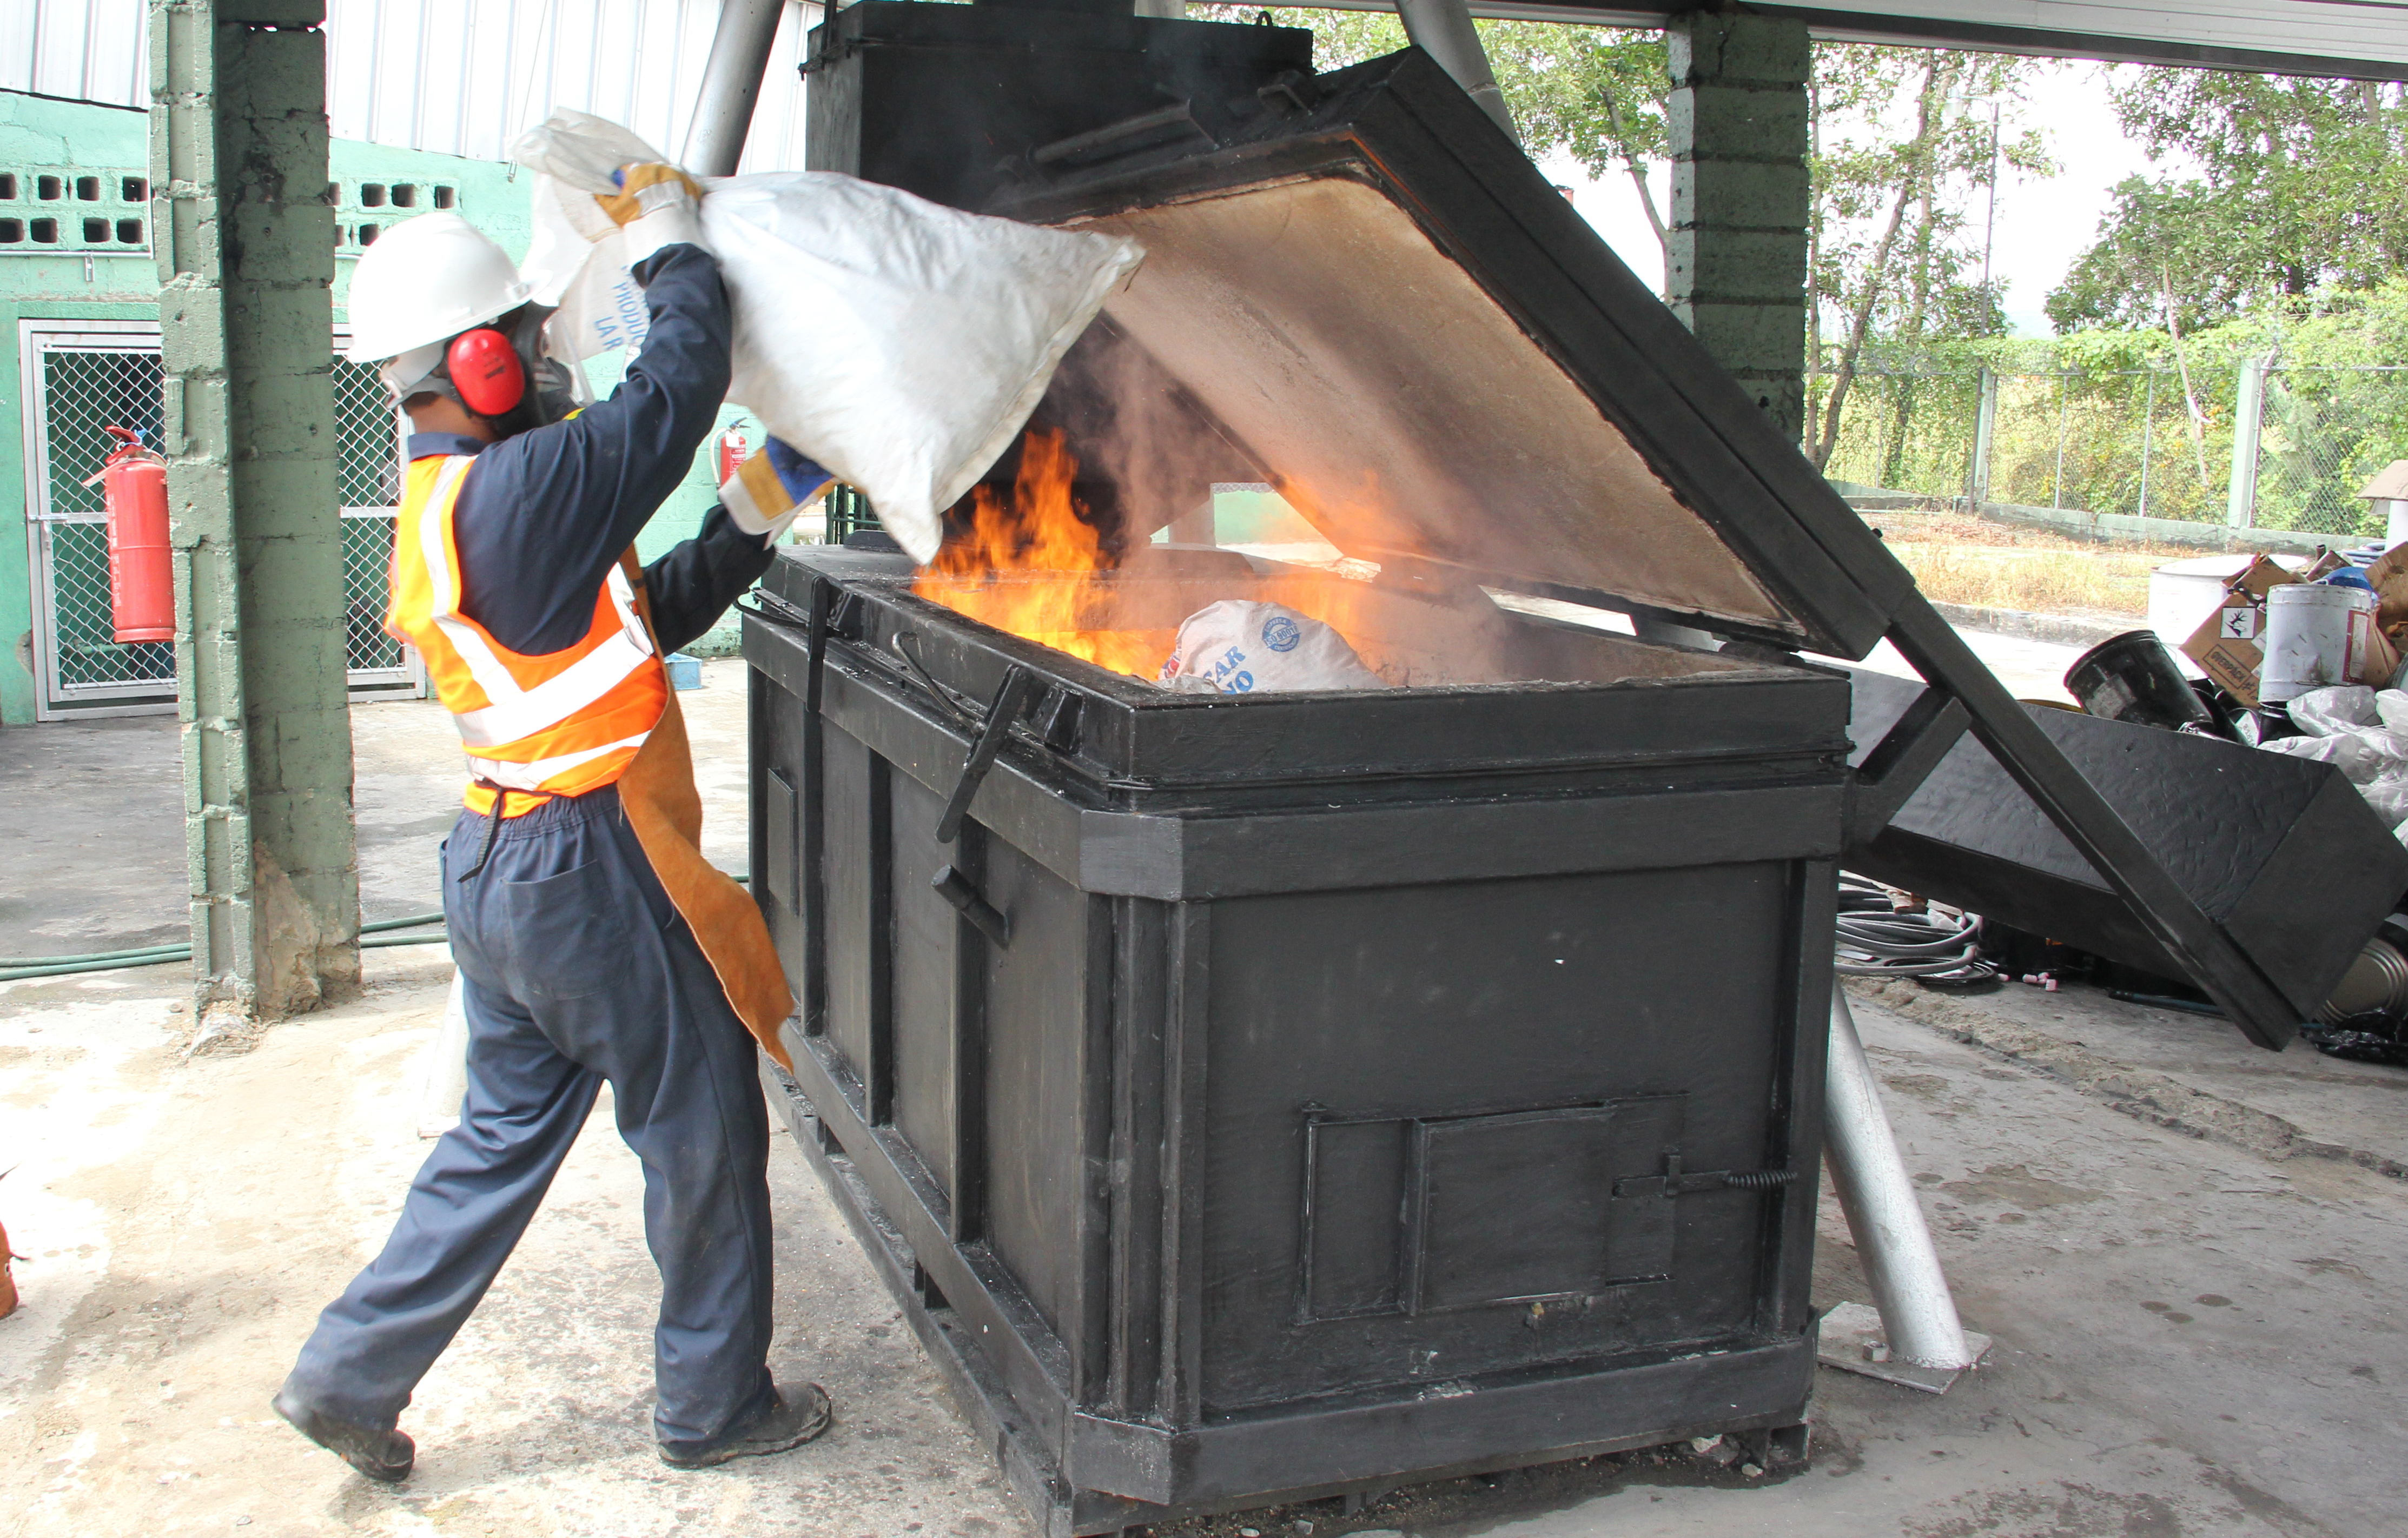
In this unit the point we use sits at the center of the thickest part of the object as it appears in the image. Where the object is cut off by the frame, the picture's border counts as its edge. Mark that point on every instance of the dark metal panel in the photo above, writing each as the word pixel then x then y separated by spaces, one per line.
pixel 1794 1135
pixel 852 924
pixel 1035 997
pixel 936 102
pixel 1457 841
pixel 1581 1408
pixel 1093 1363
pixel 2284 853
pixel 1185 1165
pixel 1015 1343
pixel 1141 1000
pixel 1502 998
pixel 928 942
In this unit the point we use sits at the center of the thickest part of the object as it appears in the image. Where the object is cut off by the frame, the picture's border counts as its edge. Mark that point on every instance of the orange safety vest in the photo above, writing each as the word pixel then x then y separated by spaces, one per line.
pixel 558 724
pixel 599 713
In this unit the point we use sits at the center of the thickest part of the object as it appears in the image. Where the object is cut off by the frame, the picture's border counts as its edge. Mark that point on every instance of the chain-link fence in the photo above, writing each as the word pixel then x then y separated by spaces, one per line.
pixel 84 391
pixel 85 381
pixel 2137 443
pixel 368 483
pixel 2322 434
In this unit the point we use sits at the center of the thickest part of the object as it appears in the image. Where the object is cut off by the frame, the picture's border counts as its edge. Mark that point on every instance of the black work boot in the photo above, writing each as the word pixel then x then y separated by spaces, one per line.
pixel 385 1456
pixel 793 1414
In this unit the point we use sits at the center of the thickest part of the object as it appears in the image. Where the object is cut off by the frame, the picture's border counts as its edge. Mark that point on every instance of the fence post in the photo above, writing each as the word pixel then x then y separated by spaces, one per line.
pixel 1986 415
pixel 2064 420
pixel 2241 502
pixel 2148 434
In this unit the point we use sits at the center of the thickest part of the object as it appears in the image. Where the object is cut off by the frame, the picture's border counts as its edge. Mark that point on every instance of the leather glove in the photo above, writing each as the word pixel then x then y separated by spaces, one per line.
pixel 769 489
pixel 657 206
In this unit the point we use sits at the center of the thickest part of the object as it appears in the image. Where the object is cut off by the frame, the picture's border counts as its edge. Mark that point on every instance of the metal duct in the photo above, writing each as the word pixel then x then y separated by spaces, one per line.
pixel 1443 29
pixel 731 83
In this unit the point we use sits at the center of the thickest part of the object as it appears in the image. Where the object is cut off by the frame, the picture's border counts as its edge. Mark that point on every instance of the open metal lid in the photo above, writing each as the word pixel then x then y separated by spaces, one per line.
pixel 1376 299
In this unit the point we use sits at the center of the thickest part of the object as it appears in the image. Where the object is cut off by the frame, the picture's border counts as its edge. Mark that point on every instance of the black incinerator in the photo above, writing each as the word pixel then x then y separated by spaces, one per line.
pixel 1250 1097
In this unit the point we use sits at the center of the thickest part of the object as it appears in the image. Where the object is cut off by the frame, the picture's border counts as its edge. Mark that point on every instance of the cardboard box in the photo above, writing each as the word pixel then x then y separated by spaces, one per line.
pixel 2226 647
pixel 2230 648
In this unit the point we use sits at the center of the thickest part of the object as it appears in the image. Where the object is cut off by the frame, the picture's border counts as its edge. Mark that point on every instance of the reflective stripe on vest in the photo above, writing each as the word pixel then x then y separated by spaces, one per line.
pixel 560 723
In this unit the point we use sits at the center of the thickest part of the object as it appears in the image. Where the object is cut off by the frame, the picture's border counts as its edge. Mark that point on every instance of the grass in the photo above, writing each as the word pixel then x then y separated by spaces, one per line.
pixel 1958 559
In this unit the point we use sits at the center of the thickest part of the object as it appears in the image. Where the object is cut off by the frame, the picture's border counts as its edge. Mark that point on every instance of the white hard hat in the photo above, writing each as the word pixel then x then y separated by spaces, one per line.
pixel 425 280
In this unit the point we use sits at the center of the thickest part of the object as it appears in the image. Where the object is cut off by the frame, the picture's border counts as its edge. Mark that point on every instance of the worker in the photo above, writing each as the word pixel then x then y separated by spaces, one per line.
pixel 594 942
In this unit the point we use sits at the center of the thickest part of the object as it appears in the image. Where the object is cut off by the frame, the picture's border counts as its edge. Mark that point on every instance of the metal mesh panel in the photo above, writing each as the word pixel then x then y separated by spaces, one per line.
pixel 370 471
pixel 85 656
pixel 368 568
pixel 2323 433
pixel 83 393
pixel 86 389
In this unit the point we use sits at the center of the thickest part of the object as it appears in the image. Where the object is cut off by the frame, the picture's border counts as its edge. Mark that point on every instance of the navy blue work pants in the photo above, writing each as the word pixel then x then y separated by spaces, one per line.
pixel 578 970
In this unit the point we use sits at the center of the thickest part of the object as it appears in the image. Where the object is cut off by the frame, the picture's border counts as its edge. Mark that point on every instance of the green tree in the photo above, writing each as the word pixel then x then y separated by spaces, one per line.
pixel 2301 188
pixel 1904 139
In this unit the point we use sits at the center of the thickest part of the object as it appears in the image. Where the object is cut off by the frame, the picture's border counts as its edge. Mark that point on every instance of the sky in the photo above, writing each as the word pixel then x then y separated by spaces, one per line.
pixel 2044 223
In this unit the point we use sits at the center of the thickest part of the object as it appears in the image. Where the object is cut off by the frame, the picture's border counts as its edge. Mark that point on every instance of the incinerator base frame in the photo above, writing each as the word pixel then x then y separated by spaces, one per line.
pixel 1614 1410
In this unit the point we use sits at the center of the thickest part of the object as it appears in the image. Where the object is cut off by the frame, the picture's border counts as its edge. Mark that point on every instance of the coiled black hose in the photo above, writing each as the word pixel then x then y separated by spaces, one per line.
pixel 1878 936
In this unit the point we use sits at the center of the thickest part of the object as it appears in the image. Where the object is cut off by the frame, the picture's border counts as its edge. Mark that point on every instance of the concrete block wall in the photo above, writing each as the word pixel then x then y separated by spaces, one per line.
pixel 1741 204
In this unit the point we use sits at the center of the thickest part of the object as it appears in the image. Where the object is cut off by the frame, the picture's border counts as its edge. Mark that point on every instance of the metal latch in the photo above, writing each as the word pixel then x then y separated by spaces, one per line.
pixel 948 883
pixel 1674 1181
pixel 1000 713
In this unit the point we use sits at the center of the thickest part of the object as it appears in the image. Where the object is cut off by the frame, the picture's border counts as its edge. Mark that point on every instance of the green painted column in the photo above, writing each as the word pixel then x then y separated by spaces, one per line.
pixel 1741 201
pixel 246 242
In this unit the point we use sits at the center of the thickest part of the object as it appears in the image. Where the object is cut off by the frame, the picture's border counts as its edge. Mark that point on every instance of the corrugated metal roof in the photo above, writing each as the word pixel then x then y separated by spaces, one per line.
pixel 455 76
pixel 462 76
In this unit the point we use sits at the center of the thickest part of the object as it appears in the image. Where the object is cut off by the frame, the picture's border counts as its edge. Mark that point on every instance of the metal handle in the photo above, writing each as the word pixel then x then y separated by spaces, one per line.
pixel 956 889
pixel 1000 713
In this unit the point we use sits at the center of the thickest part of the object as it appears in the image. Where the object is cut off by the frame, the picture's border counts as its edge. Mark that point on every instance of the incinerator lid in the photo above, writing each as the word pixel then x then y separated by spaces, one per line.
pixel 1376 297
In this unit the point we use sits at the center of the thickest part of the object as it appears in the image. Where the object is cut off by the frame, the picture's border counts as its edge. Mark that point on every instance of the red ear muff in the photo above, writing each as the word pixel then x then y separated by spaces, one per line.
pixel 486 371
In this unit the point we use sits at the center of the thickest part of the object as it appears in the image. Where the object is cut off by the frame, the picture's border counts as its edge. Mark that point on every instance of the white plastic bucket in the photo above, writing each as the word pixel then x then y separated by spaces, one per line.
pixel 2315 636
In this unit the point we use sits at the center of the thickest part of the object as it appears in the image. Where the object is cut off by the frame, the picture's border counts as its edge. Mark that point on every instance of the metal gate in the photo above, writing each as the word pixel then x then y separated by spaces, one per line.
pixel 81 377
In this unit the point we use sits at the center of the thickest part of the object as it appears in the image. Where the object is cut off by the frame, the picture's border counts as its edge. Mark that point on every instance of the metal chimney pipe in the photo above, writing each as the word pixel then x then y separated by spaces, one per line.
pixel 731 83
pixel 1443 29
pixel 1869 1177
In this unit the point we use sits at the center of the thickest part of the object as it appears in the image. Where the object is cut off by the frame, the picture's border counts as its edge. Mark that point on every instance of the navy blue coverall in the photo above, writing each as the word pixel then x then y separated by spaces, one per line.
pixel 576 969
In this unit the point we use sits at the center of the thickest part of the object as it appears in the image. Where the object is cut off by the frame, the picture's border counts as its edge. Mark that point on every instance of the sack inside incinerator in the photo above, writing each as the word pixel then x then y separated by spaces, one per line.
pixel 1237 595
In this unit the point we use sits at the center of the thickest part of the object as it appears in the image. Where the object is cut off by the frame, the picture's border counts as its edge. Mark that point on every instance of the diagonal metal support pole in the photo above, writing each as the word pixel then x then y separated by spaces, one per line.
pixel 1919 1342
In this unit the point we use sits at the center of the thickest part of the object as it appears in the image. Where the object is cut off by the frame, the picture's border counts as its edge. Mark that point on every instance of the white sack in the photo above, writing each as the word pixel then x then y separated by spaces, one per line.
pixel 2392 706
pixel 2324 711
pixel 1236 646
pixel 900 343
pixel 2387 793
pixel 2352 756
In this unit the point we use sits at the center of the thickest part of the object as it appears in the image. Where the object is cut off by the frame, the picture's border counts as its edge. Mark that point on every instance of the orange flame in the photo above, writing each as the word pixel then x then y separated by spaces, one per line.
pixel 1034 567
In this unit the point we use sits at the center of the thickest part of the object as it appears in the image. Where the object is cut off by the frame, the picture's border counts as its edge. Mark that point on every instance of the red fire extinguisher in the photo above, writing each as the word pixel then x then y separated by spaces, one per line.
pixel 733 451
pixel 141 581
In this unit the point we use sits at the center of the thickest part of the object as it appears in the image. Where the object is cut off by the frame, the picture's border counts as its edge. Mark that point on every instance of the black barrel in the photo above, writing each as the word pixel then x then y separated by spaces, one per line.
pixel 2134 678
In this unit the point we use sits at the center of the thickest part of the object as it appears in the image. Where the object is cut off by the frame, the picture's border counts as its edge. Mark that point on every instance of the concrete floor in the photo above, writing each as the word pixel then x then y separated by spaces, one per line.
pixel 2186 1248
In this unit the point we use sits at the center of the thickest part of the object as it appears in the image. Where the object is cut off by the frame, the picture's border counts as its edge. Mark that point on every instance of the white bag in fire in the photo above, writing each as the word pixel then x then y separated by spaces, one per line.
pixel 1238 647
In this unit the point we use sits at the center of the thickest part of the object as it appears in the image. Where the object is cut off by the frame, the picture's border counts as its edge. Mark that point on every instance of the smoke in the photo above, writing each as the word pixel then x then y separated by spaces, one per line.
pixel 1141 455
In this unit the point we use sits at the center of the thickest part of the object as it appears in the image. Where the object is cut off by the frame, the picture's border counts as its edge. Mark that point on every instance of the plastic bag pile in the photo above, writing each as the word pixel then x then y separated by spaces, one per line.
pixel 900 343
pixel 2363 732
